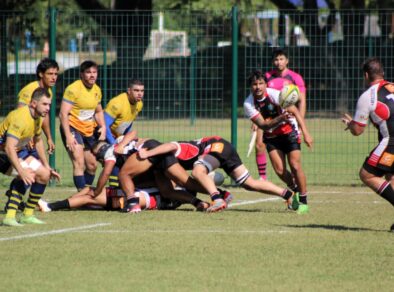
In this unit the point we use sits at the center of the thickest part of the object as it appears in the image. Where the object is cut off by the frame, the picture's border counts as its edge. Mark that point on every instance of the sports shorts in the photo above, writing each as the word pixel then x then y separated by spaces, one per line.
pixel 87 142
pixel 285 143
pixel 380 161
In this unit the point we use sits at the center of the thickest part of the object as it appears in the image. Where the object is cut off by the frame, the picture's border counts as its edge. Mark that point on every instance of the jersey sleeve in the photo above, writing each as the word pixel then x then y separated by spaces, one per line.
pixel 299 82
pixel 69 96
pixel 363 110
pixel 273 95
pixel 250 111
pixel 24 97
pixel 15 128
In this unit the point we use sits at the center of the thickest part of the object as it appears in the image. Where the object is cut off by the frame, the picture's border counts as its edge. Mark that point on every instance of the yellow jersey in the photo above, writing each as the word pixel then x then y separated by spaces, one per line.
pixel 84 103
pixel 21 125
pixel 123 112
pixel 24 96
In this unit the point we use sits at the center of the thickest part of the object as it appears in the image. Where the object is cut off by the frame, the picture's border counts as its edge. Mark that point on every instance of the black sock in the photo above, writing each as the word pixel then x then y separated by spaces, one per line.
pixel 195 202
pixel 59 205
pixel 303 199
pixel 386 191
pixel 287 194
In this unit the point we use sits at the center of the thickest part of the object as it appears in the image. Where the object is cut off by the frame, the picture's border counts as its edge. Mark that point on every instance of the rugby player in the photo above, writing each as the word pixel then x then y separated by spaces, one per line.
pixel 281 135
pixel 80 113
pixel 123 155
pixel 205 155
pixel 119 114
pixel 18 128
pixel 110 199
pixel 47 73
pixel 376 104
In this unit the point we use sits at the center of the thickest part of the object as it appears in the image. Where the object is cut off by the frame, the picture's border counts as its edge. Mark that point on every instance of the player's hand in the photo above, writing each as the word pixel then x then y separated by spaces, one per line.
pixel 346 119
pixel 119 149
pixel 254 127
pixel 28 176
pixel 102 132
pixel 51 146
pixel 143 153
pixel 55 174
pixel 308 140
pixel 71 143
pixel 30 145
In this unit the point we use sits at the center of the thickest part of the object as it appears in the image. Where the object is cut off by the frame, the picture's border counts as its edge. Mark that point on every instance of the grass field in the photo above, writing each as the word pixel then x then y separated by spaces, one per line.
pixel 255 245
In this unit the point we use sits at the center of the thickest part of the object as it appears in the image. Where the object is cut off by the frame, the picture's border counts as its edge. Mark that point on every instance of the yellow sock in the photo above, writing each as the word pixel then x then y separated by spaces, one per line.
pixel 28 212
pixel 11 213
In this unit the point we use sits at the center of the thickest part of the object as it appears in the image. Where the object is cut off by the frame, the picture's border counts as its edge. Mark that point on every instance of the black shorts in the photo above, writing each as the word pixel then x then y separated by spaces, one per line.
pixel 163 161
pixel 285 143
pixel 87 142
pixel 380 163
pixel 228 157
pixel 5 163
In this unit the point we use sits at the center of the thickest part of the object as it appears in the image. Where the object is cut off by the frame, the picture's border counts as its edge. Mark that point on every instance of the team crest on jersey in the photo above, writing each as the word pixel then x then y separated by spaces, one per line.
pixel 387 159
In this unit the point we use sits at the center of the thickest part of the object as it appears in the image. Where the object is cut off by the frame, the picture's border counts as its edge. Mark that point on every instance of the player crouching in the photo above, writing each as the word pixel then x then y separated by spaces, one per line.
pixel 18 128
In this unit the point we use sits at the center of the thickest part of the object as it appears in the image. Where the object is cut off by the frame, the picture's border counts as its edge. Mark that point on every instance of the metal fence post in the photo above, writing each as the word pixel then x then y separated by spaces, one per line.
pixel 234 79
pixel 105 71
pixel 17 48
pixel 193 81
pixel 52 55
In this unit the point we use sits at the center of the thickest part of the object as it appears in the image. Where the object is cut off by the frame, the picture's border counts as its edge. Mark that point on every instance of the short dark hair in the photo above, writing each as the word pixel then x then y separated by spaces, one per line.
pixel 279 52
pixel 39 93
pixel 86 65
pixel 45 64
pixel 133 82
pixel 256 75
pixel 373 67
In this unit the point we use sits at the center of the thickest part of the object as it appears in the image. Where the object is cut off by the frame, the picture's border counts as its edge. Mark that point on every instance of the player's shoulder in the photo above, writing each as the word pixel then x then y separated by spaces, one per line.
pixel 19 115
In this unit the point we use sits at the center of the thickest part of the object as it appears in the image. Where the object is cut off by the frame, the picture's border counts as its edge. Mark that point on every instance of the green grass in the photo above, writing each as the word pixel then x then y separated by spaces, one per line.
pixel 335 160
pixel 342 245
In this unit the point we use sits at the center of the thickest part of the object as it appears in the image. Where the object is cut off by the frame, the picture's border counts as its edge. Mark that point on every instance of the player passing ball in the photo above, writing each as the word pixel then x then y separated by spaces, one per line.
pixel 281 131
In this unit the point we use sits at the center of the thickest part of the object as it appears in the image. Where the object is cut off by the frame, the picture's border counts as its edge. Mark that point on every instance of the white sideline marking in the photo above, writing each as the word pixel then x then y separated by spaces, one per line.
pixel 187 231
pixel 253 202
pixel 37 234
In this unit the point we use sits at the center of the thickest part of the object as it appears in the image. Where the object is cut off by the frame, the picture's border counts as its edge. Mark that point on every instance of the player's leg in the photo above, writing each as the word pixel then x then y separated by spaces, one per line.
pixel 132 167
pixel 278 161
pixel 37 189
pixel 261 157
pixel 294 158
pixel 90 167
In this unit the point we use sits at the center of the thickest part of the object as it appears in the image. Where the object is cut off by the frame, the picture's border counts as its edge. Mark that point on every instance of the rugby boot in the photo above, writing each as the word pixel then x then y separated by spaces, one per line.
pixel 202 206
pixel 392 228
pixel 226 196
pixel 30 220
pixel 303 209
pixel 218 205
pixel 43 206
pixel 11 222
pixel 293 202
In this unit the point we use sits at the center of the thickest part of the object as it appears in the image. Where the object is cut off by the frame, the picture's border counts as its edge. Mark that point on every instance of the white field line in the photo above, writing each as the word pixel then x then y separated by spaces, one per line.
pixel 187 231
pixel 243 191
pixel 59 231
pixel 253 202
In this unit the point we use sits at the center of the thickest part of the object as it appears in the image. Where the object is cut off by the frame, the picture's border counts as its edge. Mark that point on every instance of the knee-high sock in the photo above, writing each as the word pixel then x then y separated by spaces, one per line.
pixel 79 181
pixel 17 191
pixel 36 192
pixel 261 160
pixel 89 179
pixel 386 191
pixel 113 178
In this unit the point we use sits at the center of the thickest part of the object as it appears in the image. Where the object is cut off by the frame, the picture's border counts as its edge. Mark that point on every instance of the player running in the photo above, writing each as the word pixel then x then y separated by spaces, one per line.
pixel 376 104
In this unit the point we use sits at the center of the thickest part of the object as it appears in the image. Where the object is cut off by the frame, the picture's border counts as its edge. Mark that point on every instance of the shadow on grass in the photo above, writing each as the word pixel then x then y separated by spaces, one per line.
pixel 333 227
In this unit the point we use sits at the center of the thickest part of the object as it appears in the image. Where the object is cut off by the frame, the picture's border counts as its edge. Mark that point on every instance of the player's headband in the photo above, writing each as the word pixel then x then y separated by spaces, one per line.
pixel 101 152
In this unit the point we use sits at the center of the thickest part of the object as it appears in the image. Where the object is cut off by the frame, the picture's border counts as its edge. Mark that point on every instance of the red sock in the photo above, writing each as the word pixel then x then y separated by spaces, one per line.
pixel 153 203
pixel 261 160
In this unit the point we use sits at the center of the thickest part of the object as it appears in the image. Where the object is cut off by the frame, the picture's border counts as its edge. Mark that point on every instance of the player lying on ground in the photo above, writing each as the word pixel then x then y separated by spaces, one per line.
pixel 110 199
pixel 209 153
pixel 123 154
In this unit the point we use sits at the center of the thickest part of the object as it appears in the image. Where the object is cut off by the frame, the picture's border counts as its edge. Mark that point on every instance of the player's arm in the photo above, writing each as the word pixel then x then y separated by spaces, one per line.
pixel 301 123
pixel 10 149
pixel 130 136
pixel 266 124
pixel 104 176
pixel 302 104
pixel 355 128
pixel 65 109
pixel 99 116
pixel 47 131
pixel 39 145
pixel 161 149
pixel 108 123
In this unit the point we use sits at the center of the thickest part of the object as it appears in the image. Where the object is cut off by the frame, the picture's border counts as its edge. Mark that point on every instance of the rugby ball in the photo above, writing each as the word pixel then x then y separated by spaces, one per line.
pixel 289 95
pixel 217 177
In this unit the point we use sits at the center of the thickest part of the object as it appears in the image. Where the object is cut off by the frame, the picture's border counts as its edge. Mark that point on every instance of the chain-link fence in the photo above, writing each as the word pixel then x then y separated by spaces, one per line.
pixel 186 63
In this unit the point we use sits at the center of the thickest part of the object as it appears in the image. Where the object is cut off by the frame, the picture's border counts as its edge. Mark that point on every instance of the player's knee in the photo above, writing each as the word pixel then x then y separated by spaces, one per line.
pixel 91 166
pixel 43 175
